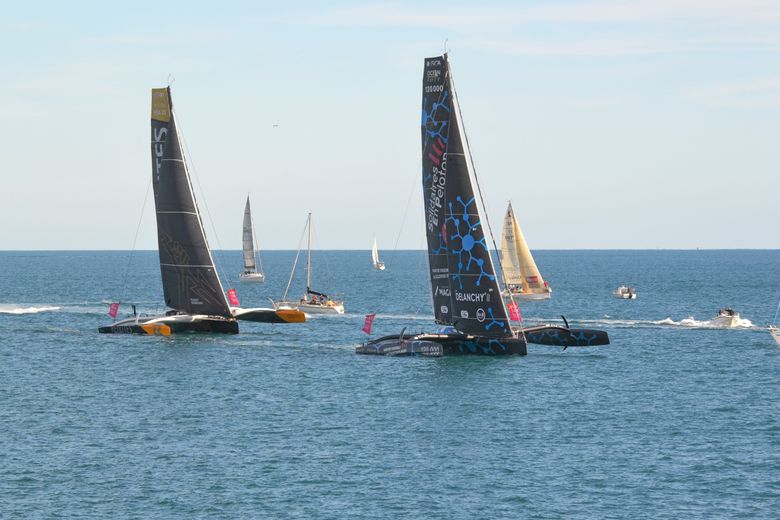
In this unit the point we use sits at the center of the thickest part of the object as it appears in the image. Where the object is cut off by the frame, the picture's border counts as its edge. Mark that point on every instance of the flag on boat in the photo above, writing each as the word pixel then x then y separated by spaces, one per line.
pixel 233 297
pixel 113 309
pixel 368 322
pixel 514 312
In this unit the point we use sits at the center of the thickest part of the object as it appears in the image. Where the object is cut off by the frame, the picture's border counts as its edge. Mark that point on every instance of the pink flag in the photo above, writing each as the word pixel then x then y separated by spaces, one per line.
pixel 368 322
pixel 514 312
pixel 113 309
pixel 233 297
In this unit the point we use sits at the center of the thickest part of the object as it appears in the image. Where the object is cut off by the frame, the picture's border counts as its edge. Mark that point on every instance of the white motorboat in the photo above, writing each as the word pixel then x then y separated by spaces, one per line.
pixel 624 292
pixel 726 317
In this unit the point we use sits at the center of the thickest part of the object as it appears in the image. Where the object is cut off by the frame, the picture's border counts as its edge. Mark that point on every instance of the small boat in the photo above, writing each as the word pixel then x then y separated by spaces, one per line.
pixel 191 286
pixel 378 264
pixel 467 298
pixel 523 279
pixel 253 269
pixel 775 334
pixel 624 292
pixel 312 302
pixel 727 317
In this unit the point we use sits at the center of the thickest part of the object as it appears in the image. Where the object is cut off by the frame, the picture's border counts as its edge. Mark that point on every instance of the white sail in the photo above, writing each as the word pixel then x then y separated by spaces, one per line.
pixel 520 270
pixel 248 242
pixel 253 270
pixel 378 264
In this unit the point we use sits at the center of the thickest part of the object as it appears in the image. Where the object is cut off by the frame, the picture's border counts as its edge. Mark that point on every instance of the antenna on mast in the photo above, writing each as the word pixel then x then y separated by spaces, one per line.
pixel 170 80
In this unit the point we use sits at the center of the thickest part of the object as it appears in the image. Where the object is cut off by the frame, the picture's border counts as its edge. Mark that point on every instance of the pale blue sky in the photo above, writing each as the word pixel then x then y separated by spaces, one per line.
pixel 636 124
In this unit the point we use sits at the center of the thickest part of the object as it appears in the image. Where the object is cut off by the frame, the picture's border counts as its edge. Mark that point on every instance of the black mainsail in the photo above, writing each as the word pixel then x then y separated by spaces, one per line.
pixel 190 281
pixel 463 280
pixel 465 289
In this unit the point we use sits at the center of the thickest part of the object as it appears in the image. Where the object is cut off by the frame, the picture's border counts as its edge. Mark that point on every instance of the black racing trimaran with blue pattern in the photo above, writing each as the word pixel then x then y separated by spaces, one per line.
pixel 467 298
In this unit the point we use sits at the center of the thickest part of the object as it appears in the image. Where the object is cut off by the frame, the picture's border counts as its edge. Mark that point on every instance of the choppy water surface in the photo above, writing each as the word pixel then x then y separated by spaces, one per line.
pixel 677 418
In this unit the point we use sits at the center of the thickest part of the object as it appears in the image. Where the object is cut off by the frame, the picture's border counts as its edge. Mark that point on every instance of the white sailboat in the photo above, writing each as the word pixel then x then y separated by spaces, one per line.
pixel 378 264
pixel 774 329
pixel 312 302
pixel 253 269
pixel 523 278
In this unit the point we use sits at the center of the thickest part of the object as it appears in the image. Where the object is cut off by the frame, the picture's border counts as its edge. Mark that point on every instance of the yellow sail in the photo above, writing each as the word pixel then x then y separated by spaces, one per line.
pixel 522 275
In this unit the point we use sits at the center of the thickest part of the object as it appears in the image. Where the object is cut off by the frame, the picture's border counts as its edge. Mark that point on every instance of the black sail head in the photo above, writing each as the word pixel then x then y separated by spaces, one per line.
pixel 190 281
pixel 462 271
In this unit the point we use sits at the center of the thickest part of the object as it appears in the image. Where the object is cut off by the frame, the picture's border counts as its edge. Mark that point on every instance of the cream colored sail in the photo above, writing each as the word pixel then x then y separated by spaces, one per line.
pixel 522 275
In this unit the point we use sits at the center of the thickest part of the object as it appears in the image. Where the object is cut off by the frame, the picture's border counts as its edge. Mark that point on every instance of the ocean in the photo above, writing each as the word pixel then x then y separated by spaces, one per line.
pixel 676 418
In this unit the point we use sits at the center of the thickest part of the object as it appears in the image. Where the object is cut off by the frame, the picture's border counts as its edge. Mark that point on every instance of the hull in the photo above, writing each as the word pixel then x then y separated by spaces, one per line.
pixel 726 321
pixel 310 308
pixel 252 277
pixel 775 334
pixel 167 325
pixel 438 345
pixel 380 266
pixel 530 297
pixel 552 335
pixel 265 315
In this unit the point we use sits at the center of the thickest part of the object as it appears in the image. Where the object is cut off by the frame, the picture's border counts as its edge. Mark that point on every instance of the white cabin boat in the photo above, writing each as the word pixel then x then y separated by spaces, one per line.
pixel 726 317
pixel 624 292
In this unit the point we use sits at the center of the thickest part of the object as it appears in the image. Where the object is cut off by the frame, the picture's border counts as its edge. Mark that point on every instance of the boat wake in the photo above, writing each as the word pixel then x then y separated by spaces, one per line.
pixel 689 322
pixel 11 308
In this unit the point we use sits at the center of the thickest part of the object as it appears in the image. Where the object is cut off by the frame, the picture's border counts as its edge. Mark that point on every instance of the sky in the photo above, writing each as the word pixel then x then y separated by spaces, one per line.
pixel 608 124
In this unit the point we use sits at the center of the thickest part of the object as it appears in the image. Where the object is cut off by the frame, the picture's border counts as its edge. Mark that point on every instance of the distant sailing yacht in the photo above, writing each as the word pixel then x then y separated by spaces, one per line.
pixel 191 285
pixel 313 302
pixel 467 298
pixel 523 279
pixel 378 264
pixel 774 329
pixel 251 272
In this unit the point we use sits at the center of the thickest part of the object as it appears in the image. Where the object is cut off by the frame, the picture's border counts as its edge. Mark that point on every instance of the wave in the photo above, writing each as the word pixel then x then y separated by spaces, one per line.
pixel 16 309
pixel 689 322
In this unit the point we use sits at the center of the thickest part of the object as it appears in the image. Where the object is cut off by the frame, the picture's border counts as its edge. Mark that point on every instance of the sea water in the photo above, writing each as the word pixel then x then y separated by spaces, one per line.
pixel 676 418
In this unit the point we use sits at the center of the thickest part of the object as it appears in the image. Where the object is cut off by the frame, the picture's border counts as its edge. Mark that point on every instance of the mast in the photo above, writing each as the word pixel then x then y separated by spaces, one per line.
pixel 248 244
pixel 308 259
pixel 465 288
pixel 189 277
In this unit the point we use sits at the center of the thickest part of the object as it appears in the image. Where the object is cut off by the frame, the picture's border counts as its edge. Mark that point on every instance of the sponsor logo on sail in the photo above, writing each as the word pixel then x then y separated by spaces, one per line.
pixel 480 315
pixel 464 313
pixel 444 309
pixel 471 297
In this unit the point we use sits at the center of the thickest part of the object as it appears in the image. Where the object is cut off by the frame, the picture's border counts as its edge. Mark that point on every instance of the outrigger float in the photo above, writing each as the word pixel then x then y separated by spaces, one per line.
pixel 467 298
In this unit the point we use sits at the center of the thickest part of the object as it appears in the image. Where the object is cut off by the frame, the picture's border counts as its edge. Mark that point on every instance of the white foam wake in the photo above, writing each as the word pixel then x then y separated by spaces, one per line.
pixel 16 309
pixel 689 322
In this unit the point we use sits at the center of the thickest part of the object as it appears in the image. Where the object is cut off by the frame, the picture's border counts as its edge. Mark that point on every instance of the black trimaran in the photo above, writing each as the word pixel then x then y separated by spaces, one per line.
pixel 191 285
pixel 467 298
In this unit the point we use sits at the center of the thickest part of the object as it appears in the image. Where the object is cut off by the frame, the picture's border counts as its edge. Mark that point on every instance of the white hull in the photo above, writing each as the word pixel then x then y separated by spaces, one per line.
pixel 624 293
pixel 726 321
pixel 252 277
pixel 530 297
pixel 775 334
pixel 379 266
pixel 310 308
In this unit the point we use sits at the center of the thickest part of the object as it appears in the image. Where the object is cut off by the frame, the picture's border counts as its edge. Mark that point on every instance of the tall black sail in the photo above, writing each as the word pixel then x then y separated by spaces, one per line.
pixel 463 280
pixel 190 281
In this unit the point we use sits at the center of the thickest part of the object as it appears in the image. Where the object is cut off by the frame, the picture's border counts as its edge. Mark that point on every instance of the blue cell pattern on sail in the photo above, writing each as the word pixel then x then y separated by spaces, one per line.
pixel 467 244
pixel 436 128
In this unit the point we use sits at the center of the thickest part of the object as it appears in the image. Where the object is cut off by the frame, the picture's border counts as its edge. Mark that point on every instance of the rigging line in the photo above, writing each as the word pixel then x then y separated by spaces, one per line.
pixel 412 192
pixel 295 262
pixel 482 200
pixel 324 260
pixel 135 240
pixel 221 267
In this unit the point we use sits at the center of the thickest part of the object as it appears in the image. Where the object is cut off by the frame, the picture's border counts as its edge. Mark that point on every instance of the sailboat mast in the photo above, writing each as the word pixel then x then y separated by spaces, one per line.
pixel 308 259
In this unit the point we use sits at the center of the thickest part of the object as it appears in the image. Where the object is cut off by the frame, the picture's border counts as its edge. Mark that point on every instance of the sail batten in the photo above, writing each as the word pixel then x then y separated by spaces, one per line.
pixel 190 281
pixel 464 285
